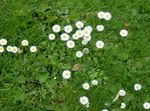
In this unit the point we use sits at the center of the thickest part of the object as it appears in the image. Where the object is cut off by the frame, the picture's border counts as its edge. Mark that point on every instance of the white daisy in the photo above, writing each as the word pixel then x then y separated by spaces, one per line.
pixel 9 48
pixel 56 28
pixel 107 16
pixel 86 86
pixel 66 74
pixel 84 42
pixel 14 49
pixel 70 44
pixel 33 49
pixel 137 87
pixel 79 33
pixel 64 37
pixel 85 50
pixel 99 44
pixel 79 24
pixel 101 15
pixel 123 106
pixel 122 92
pixel 94 82
pixel 87 38
pixel 1 49
pixel 84 100
pixel 88 28
pixel 124 33
pixel 146 105
pixel 3 42
pixel 68 28
pixel 51 36
pixel 75 37
pixel 104 109
pixel 100 28
pixel 79 54
pixel 25 43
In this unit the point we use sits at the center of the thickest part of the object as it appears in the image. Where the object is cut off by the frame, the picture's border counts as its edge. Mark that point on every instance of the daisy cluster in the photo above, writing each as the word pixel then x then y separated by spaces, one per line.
pixel 15 49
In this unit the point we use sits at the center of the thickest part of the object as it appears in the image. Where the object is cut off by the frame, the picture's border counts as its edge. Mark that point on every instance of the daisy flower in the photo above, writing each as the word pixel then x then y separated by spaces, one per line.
pixel 86 86
pixel 107 16
pixel 33 49
pixel 88 28
pixel 99 44
pixel 124 33
pixel 146 105
pixel 9 48
pixel 3 42
pixel 51 36
pixel 79 24
pixel 122 92
pixel 68 28
pixel 87 38
pixel 79 33
pixel 84 42
pixel 56 28
pixel 75 36
pixel 137 87
pixel 70 44
pixel 1 49
pixel 14 49
pixel 100 28
pixel 64 37
pixel 84 100
pixel 94 82
pixel 123 106
pixel 104 109
pixel 66 74
pixel 79 54
pixel 101 15
pixel 25 43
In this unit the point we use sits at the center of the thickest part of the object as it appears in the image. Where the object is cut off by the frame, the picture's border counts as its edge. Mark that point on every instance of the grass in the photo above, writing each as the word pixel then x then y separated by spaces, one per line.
pixel 27 80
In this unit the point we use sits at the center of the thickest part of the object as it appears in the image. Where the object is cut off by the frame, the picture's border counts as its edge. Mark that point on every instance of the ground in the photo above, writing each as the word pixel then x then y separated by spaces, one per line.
pixel 27 80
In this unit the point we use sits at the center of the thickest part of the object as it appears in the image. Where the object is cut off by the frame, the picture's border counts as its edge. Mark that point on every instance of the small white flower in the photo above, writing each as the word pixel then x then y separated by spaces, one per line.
pixel 122 92
pixel 107 16
pixel 85 50
pixel 124 33
pixel 79 33
pixel 87 38
pixel 51 36
pixel 84 42
pixel 99 44
pixel 9 48
pixel 87 105
pixel 56 28
pixel 66 74
pixel 137 87
pixel 75 36
pixel 68 28
pixel 88 28
pixel 70 44
pixel 14 49
pixel 104 109
pixel 25 43
pixel 86 86
pixel 94 82
pixel 3 42
pixel 86 33
pixel 79 24
pixel 146 105
pixel 84 100
pixel 1 49
pixel 101 15
pixel 33 49
pixel 100 28
pixel 79 54
pixel 123 106
pixel 64 37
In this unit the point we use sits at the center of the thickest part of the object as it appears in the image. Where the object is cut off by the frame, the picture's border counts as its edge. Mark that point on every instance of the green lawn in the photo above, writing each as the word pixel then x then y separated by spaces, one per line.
pixel 33 81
